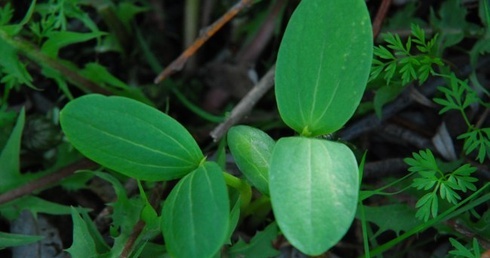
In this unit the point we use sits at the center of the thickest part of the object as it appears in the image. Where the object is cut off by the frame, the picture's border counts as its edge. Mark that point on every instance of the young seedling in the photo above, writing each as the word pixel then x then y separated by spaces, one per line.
pixel 322 70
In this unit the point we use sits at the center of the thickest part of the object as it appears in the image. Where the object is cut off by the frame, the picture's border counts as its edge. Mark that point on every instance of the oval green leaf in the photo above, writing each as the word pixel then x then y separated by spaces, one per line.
pixel 323 65
pixel 130 137
pixel 314 189
pixel 252 149
pixel 196 214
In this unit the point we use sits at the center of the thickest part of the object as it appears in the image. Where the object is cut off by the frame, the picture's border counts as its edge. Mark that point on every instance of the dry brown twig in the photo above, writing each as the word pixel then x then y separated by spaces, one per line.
pixel 246 104
pixel 207 33
pixel 380 16
pixel 46 181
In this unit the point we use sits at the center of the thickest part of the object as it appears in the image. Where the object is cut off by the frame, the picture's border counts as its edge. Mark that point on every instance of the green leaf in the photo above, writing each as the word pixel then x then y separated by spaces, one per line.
pixel 252 150
pixel 384 95
pixel 427 205
pixel 9 240
pixel 260 245
pixel 423 161
pixel 196 213
pixel 314 188
pixel 478 139
pixel 395 43
pixel 458 94
pixel 384 53
pixel 154 250
pixel 148 213
pixel 234 217
pixel 126 213
pixel 481 47
pixel 12 210
pixel 126 12
pixel 451 22
pixel 59 39
pixel 14 70
pixel 83 242
pixel 6 14
pixel 59 78
pixel 463 178
pixel 462 251
pixel 423 183
pixel 9 158
pixel 99 74
pixel 484 12
pixel 323 65
pixel 448 194
pixel 14 29
pixel 130 137
pixel 396 217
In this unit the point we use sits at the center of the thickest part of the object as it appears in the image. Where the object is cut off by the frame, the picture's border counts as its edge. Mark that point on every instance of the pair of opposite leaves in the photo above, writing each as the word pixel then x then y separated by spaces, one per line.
pixel 322 69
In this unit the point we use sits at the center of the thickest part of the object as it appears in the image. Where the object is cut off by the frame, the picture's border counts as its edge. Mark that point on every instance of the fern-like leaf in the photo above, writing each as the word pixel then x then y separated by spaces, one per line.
pixel 477 139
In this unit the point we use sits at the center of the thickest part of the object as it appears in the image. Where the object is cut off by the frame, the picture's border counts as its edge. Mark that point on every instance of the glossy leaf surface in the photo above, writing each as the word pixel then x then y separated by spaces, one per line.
pixel 252 150
pixel 314 189
pixel 130 137
pixel 196 214
pixel 323 65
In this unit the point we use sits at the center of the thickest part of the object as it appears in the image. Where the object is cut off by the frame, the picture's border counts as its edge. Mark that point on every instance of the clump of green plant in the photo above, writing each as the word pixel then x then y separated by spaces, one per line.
pixel 443 184
pixel 312 184
pixel 309 183
pixel 444 190
pixel 43 32
pixel 399 64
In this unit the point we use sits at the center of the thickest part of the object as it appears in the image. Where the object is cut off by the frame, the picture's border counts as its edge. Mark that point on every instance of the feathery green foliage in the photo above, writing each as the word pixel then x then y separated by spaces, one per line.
pixel 438 184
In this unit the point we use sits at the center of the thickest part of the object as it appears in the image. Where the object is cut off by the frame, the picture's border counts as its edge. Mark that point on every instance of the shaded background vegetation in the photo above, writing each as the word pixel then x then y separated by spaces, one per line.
pixel 70 48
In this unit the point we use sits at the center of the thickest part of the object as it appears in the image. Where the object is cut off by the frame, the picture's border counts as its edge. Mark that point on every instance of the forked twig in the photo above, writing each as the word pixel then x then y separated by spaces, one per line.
pixel 207 33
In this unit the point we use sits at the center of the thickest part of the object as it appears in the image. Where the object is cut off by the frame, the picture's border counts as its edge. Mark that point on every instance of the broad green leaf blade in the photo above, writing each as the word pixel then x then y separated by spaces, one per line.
pixel 314 187
pixel 323 65
pixel 130 137
pixel 196 214
pixel 252 150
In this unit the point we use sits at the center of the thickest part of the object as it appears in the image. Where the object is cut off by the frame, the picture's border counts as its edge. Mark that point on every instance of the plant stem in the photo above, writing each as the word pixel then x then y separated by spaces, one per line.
pixel 190 28
pixel 450 213
pixel 154 201
pixel 108 13
pixel 195 109
pixel 364 230
pixel 258 210
pixel 43 60
pixel 242 187
pixel 46 180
